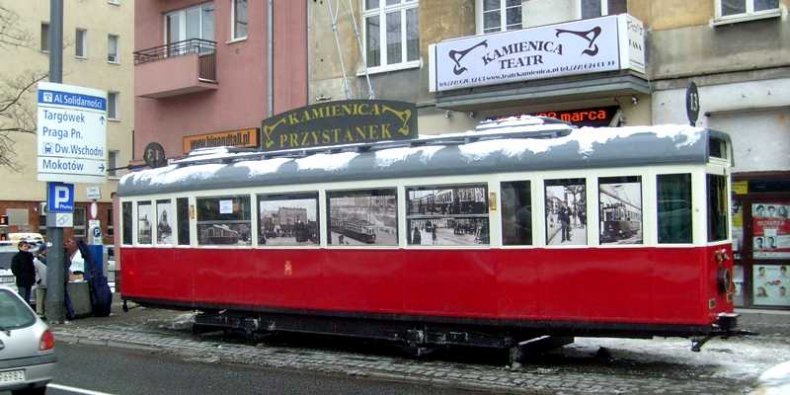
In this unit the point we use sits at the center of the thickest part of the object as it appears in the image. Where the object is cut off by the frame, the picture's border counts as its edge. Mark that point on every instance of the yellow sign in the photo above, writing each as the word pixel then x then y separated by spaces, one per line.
pixel 740 187
pixel 244 138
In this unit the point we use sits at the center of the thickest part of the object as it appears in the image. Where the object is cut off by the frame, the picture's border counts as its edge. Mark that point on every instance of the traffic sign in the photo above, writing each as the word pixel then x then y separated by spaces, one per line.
pixel 93 192
pixel 72 133
pixel 60 197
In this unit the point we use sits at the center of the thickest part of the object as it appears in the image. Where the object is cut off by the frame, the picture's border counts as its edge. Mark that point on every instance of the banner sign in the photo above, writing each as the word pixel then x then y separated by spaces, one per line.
pixel 244 138
pixel 580 47
pixel 340 122
pixel 72 133
pixel 771 228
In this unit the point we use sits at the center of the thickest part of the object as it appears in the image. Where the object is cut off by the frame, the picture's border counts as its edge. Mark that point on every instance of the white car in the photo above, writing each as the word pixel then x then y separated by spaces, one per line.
pixel 27 347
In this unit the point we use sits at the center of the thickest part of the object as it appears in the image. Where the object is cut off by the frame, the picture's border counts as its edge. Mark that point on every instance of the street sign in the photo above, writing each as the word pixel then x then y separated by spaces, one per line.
pixel 72 133
pixel 60 197
pixel 93 192
pixel 95 232
pixel 692 103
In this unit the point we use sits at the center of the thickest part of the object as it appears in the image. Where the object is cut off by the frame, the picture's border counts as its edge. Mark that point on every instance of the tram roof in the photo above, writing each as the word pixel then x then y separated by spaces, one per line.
pixel 501 149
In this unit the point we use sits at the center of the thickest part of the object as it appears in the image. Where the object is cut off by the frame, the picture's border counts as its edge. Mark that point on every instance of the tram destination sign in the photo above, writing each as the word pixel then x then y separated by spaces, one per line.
pixel 340 122
pixel 72 134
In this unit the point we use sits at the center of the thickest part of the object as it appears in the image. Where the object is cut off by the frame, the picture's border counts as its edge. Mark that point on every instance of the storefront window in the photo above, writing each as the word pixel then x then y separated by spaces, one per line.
pixel 451 215
pixel 367 217
pixel 144 222
pixel 674 208
pixel 288 220
pixel 516 213
pixel 566 212
pixel 224 220
pixel 620 200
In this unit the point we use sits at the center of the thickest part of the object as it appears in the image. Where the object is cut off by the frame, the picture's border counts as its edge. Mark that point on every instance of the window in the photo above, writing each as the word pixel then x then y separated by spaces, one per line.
pixel 45 37
pixel 288 220
pixel 81 43
pixel 112 105
pixel 717 207
pixel 566 212
pixel 392 32
pixel 182 205
pixel 674 208
pixel 739 8
pixel 448 215
pixel 498 15
pixel 596 8
pixel 79 222
pixel 164 222
pixel 239 23
pixel 224 220
pixel 112 163
pixel 110 222
pixel 144 222
pixel 620 200
pixel 126 230
pixel 516 213
pixel 112 48
pixel 193 22
pixel 367 217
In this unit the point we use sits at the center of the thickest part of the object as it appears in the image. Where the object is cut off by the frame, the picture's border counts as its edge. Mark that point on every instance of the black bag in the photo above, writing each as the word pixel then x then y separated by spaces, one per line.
pixel 101 295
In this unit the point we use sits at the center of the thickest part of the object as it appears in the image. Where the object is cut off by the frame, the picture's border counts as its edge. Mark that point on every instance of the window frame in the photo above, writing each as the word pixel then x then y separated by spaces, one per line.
pixel 233 21
pixel 503 27
pixel 285 197
pixel 245 198
pixel 447 213
pixel 80 230
pixel 83 41
pixel 604 9
pixel 182 27
pixel 381 12
pixel 117 55
pixel 115 101
pixel 749 15
pixel 333 193
pixel 44 42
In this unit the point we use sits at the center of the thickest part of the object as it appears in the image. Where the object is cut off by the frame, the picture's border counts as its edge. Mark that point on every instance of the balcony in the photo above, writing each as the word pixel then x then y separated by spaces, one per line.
pixel 177 68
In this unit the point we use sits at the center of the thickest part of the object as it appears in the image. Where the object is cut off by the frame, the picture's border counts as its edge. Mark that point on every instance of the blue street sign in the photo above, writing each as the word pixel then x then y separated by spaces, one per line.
pixel 60 197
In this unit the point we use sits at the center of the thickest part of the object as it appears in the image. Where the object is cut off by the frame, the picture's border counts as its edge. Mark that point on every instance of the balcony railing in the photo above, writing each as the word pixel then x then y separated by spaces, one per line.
pixel 205 49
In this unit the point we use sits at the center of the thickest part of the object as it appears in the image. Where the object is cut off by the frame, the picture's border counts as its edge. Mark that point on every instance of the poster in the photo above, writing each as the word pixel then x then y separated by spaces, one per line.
pixel 164 224
pixel 288 221
pixel 566 212
pixel 363 218
pixel 771 283
pixel 448 216
pixel 737 228
pixel 621 210
pixel 771 229
pixel 144 223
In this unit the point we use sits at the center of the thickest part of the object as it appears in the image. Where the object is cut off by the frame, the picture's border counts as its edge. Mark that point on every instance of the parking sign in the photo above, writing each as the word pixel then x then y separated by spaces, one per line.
pixel 60 197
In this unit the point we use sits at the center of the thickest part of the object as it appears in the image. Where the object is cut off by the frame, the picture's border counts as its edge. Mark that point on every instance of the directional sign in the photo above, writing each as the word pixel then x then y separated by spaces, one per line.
pixel 72 133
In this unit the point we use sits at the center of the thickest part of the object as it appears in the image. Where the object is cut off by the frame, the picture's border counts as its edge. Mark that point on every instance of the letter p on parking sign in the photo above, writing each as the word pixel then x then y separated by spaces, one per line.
pixel 60 197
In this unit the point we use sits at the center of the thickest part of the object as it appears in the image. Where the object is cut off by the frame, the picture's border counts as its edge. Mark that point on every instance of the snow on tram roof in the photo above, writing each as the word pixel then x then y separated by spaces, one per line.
pixel 504 147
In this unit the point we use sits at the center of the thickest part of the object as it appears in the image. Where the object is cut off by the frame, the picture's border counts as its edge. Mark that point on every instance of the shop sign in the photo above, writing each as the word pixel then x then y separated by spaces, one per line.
pixel 340 122
pixel 601 116
pixel 740 187
pixel 244 138
pixel 581 47
pixel 771 228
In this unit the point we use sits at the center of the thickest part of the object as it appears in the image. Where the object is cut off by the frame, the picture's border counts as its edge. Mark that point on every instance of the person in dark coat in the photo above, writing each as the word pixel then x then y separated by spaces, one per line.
pixel 24 270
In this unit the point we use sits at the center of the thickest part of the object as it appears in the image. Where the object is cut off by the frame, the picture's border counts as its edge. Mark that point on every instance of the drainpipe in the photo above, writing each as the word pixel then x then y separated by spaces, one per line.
pixel 270 59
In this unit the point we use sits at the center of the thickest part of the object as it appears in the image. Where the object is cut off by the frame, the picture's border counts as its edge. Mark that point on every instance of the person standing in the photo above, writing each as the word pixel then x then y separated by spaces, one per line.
pixel 40 263
pixel 24 270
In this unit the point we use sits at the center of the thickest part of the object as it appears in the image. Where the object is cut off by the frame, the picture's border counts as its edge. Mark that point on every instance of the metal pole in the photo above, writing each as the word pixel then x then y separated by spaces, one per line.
pixel 270 59
pixel 56 278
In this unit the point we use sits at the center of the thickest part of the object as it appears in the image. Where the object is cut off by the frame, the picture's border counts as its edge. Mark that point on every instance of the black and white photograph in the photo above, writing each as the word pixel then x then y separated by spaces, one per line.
pixel 144 216
pixel 164 224
pixel 447 216
pixel 566 212
pixel 620 200
pixel 224 221
pixel 288 221
pixel 363 217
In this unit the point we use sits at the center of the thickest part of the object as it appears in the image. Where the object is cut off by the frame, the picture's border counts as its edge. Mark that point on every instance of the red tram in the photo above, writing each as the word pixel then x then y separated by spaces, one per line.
pixel 547 266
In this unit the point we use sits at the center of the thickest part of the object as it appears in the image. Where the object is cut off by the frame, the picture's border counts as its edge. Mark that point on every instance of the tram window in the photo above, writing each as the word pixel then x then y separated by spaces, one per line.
pixel 366 217
pixel 717 148
pixel 144 222
pixel 717 207
pixel 448 215
pixel 126 209
pixel 224 220
pixel 516 213
pixel 674 208
pixel 288 220
pixel 566 212
pixel 620 209
pixel 164 226
pixel 182 209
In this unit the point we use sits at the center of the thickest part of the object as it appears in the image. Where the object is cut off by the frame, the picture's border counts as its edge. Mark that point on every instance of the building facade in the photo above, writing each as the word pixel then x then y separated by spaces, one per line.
pixel 207 73
pixel 97 53
pixel 589 62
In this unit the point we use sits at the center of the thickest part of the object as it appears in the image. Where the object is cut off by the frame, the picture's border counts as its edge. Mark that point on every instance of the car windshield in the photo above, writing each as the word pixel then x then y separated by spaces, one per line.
pixel 13 312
